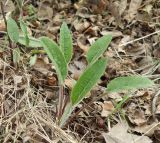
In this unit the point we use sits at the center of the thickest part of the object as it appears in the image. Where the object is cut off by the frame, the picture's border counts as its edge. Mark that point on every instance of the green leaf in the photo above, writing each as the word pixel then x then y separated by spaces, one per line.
pixel 25 32
pixel 66 42
pixel 33 42
pixel 98 48
pixel 87 80
pixel 12 29
pixel 56 57
pixel 119 105
pixel 16 55
pixel 66 114
pixel 33 60
pixel 129 83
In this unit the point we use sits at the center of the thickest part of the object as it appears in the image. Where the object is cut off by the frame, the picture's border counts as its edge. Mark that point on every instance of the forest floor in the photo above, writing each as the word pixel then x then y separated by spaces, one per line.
pixel 29 94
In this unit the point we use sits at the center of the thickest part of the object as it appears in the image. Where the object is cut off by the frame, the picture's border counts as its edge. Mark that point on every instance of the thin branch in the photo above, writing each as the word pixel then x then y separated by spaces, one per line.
pixel 135 40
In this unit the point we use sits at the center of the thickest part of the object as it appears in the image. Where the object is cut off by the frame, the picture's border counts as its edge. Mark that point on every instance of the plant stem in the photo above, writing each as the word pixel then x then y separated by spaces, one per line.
pixel 84 107
pixel 61 101
pixel 66 100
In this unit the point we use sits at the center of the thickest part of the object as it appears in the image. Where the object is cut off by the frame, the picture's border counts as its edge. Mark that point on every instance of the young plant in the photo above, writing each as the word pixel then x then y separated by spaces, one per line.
pixel 13 30
pixel 23 38
pixel 61 55
pixel 13 34
pixel 66 42
pixel 56 56
pixel 24 30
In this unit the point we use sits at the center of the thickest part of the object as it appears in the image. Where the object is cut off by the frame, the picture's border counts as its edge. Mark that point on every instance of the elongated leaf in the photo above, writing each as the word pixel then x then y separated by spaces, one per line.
pixel 128 83
pixel 12 29
pixel 56 57
pixel 33 42
pixel 98 48
pixel 67 112
pixel 66 42
pixel 16 55
pixel 33 60
pixel 119 105
pixel 87 80
pixel 24 30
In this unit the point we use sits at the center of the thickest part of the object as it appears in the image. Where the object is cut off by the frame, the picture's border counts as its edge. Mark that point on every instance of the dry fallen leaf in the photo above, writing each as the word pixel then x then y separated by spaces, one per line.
pixel 137 117
pixel 157 135
pixel 147 129
pixel 50 94
pixel 8 6
pixel 83 12
pixel 107 108
pixel 92 30
pixel 2 25
pixel 133 7
pixel 156 53
pixel 51 80
pixel 70 83
pixel 82 43
pixel 42 65
pixel 122 6
pixel 96 6
pixel 158 109
pixel 119 134
pixel 45 12
pixel 148 8
pixel 116 96
pixel 58 18
pixel 114 10
pixel 81 26
pixel 17 79
pixel 114 34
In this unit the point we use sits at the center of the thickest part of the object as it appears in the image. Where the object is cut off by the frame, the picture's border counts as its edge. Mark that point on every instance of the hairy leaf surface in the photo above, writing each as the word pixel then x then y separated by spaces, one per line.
pixel 87 80
pixel 33 42
pixel 12 29
pixel 16 55
pixel 56 56
pixel 128 83
pixel 67 112
pixel 98 48
pixel 33 60
pixel 66 42
pixel 24 30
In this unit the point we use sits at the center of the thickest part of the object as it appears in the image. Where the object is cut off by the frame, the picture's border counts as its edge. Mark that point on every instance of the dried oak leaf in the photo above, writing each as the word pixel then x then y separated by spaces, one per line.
pixel 133 7
pixel 107 108
pixel 119 134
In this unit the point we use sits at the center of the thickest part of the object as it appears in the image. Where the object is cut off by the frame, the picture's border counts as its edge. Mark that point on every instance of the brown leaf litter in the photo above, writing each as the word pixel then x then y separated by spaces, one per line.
pixel 29 95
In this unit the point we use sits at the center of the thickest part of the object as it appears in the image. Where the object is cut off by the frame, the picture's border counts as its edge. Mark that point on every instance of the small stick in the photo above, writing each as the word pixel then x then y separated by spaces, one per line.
pixel 135 40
